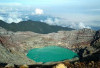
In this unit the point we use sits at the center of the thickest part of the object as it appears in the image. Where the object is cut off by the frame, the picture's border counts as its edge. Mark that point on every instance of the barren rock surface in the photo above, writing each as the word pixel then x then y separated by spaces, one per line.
pixel 15 45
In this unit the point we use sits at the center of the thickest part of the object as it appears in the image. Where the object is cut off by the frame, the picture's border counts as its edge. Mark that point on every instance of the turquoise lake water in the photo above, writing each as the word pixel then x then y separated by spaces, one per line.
pixel 51 54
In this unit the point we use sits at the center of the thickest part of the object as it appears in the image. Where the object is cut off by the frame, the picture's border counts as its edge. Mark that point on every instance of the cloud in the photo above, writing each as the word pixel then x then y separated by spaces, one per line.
pixel 12 17
pixel 26 17
pixel 2 10
pixel 94 9
pixel 65 23
pixel 15 20
pixel 51 21
pixel 39 11
pixel 10 14
pixel 32 13
pixel 1 18
pixel 77 21
pixel 56 21
pixel 10 4
pixel 79 26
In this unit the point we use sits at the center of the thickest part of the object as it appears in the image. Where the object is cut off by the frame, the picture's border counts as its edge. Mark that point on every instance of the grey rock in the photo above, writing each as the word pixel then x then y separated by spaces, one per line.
pixel 15 45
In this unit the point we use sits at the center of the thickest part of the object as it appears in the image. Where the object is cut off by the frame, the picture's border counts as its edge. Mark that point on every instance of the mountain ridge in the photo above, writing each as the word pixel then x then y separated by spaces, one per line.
pixel 34 26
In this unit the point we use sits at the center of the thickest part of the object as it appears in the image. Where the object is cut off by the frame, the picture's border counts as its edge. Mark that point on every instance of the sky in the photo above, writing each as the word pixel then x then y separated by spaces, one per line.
pixel 86 12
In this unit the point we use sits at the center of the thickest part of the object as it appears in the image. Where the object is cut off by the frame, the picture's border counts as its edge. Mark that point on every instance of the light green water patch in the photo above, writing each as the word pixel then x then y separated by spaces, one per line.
pixel 51 54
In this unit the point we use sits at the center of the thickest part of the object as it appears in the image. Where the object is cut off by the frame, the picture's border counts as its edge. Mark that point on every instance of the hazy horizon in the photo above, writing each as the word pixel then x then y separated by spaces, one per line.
pixel 73 13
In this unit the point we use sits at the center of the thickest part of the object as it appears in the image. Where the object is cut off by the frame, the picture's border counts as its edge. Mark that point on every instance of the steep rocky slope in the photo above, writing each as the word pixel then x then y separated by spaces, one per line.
pixel 15 45
pixel 96 41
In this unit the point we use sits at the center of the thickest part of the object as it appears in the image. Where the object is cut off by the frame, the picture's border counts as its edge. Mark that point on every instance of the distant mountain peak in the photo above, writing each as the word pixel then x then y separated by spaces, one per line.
pixel 34 26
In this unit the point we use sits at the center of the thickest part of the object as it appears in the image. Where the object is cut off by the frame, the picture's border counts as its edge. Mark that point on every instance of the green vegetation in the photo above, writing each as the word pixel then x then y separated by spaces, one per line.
pixel 34 26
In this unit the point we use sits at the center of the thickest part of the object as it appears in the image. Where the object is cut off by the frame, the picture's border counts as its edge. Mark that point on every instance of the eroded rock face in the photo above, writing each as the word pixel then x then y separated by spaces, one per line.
pixel 96 41
pixel 14 46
